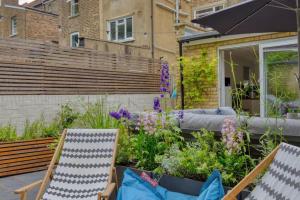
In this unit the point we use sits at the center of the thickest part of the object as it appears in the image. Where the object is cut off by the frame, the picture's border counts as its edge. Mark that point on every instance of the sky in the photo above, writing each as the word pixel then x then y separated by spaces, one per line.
pixel 24 1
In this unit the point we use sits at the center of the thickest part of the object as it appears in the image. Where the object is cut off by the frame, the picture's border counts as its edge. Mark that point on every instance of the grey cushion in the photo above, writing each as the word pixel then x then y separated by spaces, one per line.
pixel 195 122
pixel 259 125
pixel 282 179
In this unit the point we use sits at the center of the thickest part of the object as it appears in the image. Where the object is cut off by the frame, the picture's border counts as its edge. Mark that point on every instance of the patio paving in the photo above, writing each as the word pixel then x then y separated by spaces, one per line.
pixel 9 184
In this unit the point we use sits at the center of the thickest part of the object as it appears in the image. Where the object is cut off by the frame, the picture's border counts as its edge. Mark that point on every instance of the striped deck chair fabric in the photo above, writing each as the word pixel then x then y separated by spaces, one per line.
pixel 84 166
pixel 282 179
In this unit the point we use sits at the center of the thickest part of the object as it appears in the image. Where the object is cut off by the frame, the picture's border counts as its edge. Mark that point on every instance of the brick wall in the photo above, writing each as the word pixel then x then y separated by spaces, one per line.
pixel 212 98
pixel 41 26
pixel 86 22
pixel 31 24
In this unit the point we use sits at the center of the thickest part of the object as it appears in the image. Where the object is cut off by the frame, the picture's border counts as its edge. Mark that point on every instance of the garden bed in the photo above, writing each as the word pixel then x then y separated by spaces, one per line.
pixel 25 156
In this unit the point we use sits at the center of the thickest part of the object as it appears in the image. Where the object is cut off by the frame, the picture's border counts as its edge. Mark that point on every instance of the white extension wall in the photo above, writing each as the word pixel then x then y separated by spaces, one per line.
pixel 17 109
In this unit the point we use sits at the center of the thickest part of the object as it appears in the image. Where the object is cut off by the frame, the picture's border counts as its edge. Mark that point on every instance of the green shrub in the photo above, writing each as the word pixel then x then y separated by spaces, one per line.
pixel 199 158
pixel 96 116
pixel 8 133
pixel 33 129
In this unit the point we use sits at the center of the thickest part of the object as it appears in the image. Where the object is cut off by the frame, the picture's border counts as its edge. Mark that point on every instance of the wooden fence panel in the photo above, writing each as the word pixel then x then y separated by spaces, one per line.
pixel 25 156
pixel 33 68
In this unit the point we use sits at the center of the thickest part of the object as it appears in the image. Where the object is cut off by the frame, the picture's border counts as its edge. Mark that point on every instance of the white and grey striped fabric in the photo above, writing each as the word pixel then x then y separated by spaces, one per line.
pixel 282 180
pixel 84 165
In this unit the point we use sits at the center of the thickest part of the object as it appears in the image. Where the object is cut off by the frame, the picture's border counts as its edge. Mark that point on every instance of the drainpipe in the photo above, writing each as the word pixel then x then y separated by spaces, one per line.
pixel 181 75
pixel 177 11
pixel 152 29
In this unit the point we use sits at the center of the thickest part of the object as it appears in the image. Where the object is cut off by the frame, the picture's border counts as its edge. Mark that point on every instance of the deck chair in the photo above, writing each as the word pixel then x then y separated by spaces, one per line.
pixel 85 168
pixel 281 180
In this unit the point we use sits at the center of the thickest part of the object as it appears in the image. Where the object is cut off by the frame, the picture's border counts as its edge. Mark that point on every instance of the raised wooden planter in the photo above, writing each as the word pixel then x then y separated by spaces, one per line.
pixel 25 156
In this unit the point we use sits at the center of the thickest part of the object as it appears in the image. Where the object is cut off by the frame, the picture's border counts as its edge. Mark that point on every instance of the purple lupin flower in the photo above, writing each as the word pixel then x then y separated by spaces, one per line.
pixel 156 105
pixel 164 78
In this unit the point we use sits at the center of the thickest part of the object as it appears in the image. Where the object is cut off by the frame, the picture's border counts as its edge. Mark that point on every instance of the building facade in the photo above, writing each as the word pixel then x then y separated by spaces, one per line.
pixel 261 66
pixel 144 28
pixel 27 23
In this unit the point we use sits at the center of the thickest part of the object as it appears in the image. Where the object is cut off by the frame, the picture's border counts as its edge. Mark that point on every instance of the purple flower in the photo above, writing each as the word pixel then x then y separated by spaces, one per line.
pixel 156 104
pixel 164 78
pixel 230 136
pixel 115 115
pixel 180 114
pixel 125 113
pixel 122 113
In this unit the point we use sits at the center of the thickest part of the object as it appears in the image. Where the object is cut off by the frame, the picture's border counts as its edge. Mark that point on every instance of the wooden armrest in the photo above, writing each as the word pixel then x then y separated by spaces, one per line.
pixel 28 187
pixel 108 191
pixel 263 165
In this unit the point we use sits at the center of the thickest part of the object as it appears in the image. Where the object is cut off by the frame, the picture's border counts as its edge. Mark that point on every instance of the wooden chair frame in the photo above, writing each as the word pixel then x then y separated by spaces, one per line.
pixel 43 183
pixel 250 178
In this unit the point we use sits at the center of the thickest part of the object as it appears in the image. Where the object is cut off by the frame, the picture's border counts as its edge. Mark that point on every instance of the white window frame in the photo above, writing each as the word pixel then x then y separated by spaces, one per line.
pixel 261 45
pixel 13 25
pixel 73 4
pixel 213 8
pixel 71 39
pixel 116 21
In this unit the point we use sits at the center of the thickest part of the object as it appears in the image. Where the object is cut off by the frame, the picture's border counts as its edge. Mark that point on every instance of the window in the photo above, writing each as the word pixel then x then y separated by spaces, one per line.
pixel 120 29
pixel 13 27
pixel 201 12
pixel 74 40
pixel 206 11
pixel 74 8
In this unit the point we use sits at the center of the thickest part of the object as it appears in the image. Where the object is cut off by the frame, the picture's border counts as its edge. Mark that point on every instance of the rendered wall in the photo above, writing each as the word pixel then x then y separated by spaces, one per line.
pixel 17 109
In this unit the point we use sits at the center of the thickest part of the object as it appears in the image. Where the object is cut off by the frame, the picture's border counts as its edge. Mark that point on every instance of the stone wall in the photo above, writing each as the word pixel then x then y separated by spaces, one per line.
pixel 17 109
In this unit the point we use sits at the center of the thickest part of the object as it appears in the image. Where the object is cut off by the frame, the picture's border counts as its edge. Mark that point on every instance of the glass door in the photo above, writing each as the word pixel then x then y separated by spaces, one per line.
pixel 281 90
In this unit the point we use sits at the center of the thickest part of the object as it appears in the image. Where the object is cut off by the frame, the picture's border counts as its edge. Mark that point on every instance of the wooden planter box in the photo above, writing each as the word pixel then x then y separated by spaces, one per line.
pixel 25 156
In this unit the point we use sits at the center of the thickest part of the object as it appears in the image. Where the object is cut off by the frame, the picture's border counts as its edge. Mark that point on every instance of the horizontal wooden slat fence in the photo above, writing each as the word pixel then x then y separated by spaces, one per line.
pixel 33 68
pixel 25 156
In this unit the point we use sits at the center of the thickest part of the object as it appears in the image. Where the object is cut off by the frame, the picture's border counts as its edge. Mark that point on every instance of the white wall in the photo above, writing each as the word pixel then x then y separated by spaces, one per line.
pixel 17 109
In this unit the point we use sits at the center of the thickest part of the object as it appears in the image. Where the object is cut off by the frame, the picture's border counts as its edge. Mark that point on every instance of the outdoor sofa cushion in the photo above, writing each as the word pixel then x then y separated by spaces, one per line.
pixel 255 125
pixel 135 188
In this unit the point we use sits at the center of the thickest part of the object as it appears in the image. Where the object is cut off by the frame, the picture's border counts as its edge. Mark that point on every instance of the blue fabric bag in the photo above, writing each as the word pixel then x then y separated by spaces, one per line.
pixel 135 188
pixel 212 189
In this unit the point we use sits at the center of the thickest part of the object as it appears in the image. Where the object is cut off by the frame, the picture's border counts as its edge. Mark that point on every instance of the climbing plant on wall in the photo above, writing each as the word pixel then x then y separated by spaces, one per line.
pixel 199 75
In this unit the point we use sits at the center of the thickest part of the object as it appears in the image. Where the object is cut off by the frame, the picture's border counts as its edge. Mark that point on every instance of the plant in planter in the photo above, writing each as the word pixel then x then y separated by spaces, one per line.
pixel 8 133
pixel 199 158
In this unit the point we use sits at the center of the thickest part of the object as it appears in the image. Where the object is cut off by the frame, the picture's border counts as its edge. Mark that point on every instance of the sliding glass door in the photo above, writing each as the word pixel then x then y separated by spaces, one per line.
pixel 280 87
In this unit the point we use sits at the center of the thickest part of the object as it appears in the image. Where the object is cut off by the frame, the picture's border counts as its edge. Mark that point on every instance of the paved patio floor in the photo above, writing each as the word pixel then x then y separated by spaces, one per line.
pixel 9 184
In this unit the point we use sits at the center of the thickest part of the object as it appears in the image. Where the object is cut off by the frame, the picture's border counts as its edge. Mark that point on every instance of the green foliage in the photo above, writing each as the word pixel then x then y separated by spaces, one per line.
pixel 33 129
pixel 199 158
pixel 66 116
pixel 199 74
pixel 96 116
pixel 8 133
pixel 270 140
